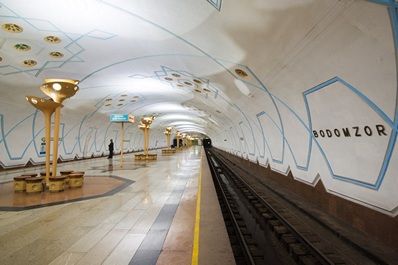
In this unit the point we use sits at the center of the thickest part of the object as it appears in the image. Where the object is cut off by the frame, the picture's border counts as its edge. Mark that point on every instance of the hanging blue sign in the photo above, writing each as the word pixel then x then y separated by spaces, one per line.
pixel 119 117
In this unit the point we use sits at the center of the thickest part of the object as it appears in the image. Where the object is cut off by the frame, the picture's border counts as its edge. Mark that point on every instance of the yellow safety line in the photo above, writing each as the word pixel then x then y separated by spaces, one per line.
pixel 195 251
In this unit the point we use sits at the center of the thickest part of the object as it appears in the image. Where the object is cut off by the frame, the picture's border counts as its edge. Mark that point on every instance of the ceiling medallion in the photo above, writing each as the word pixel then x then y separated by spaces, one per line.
pixel 22 47
pixel 29 63
pixel 52 39
pixel 241 73
pixel 56 55
pixel 12 28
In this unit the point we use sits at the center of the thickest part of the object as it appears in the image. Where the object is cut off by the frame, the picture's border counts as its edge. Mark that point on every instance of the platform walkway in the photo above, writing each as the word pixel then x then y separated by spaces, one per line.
pixel 152 217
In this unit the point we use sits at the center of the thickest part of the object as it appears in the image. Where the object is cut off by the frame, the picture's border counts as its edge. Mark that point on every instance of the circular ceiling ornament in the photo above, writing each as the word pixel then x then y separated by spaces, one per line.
pixel 29 63
pixel 56 55
pixel 52 39
pixel 241 73
pixel 22 47
pixel 12 28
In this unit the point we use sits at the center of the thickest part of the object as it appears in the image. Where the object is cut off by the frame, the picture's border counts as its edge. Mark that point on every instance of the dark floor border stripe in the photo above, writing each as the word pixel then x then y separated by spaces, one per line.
pixel 150 248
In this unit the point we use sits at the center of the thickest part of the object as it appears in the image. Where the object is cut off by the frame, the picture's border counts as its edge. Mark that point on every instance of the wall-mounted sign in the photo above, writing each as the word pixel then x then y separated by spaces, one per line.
pixel 43 148
pixel 119 117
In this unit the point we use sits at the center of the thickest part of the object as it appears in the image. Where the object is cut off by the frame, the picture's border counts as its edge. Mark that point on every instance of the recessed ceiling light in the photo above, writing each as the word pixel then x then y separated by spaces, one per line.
pixel 29 63
pixel 56 55
pixel 120 104
pixel 12 28
pixel 52 39
pixel 241 73
pixel 176 75
pixel 108 99
pixel 197 81
pixel 22 47
pixel 124 95
pixel 168 78
pixel 206 89
pixel 198 90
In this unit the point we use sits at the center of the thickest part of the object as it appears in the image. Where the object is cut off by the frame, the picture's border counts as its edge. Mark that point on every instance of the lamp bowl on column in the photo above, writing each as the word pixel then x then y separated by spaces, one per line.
pixel 59 89
pixel 45 105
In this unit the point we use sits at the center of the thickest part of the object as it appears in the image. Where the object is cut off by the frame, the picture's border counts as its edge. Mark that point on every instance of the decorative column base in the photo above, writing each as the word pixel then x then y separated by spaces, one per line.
pixel 75 180
pixel 34 185
pixel 19 183
pixel 57 183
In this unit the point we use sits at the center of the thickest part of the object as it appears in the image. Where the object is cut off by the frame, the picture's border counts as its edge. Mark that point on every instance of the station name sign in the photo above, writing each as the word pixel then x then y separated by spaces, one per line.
pixel 121 118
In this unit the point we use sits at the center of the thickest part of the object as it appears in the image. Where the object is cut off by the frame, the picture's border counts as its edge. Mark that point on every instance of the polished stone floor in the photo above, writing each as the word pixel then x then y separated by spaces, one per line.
pixel 141 213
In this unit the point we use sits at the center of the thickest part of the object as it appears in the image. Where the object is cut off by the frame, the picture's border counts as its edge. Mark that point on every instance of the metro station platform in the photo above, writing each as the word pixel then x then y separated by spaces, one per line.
pixel 163 211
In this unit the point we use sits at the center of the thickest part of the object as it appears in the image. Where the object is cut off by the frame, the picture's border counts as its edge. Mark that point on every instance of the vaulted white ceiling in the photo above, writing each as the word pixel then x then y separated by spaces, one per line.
pixel 264 79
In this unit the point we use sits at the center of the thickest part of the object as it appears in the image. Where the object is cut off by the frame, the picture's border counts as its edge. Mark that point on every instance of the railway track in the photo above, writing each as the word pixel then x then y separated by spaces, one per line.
pixel 263 230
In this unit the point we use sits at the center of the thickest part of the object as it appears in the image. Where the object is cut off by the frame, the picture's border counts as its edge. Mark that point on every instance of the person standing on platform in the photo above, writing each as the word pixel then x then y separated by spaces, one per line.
pixel 110 147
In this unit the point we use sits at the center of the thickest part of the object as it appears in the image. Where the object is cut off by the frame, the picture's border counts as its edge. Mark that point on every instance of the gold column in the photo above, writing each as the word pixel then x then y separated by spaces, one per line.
pixel 167 132
pixel 145 126
pixel 184 138
pixel 121 146
pixel 58 90
pixel 178 139
pixel 47 107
